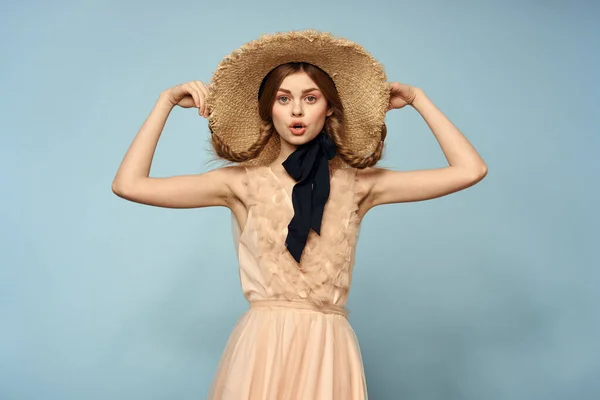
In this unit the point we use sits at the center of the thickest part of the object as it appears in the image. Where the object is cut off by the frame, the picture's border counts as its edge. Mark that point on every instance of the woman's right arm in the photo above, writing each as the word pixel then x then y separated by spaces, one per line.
pixel 132 181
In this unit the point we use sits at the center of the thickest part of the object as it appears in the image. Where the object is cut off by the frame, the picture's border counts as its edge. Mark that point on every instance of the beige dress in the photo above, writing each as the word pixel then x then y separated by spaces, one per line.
pixel 295 341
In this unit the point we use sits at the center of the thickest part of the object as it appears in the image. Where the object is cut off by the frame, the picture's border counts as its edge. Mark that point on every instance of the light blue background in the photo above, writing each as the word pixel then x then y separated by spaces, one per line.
pixel 489 293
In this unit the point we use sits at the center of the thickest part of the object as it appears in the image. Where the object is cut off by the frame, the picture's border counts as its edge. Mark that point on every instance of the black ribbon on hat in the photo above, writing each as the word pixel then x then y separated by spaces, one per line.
pixel 308 165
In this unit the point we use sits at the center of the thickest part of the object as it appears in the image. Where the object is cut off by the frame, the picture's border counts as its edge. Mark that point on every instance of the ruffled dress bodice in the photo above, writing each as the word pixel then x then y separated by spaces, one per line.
pixel 268 270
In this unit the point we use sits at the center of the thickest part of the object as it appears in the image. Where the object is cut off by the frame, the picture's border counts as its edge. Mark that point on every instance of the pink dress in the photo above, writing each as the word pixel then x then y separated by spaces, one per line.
pixel 295 341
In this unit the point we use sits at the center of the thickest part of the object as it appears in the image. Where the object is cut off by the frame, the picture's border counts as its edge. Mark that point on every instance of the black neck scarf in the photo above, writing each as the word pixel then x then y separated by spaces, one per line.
pixel 308 165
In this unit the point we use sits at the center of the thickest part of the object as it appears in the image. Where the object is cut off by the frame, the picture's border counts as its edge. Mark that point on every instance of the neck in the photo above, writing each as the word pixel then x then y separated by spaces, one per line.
pixel 285 150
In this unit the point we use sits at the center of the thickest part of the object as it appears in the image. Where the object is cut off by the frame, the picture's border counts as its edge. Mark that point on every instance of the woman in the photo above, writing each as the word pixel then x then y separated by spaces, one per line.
pixel 301 116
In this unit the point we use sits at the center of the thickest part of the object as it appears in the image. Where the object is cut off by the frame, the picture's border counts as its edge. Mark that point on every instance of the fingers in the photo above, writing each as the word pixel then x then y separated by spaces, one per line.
pixel 205 95
pixel 202 93
pixel 193 91
pixel 198 91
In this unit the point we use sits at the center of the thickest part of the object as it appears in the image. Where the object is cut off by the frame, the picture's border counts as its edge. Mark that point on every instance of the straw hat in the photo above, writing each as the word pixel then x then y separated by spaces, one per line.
pixel 359 78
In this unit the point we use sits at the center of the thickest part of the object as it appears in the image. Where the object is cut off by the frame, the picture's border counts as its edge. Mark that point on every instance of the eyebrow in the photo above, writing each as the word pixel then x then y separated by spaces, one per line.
pixel 304 91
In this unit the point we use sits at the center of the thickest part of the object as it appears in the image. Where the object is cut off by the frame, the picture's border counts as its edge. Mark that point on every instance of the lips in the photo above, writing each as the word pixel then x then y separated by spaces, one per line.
pixel 297 124
pixel 297 128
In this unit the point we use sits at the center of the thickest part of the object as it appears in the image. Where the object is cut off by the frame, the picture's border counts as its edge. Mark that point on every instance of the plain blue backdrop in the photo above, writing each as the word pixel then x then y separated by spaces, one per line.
pixel 489 293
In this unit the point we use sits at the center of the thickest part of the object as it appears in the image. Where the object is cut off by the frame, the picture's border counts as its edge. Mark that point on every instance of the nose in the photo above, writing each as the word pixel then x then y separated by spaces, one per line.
pixel 297 110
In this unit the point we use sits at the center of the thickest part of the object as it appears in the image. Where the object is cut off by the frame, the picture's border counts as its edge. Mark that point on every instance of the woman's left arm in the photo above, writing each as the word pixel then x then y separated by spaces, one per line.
pixel 465 166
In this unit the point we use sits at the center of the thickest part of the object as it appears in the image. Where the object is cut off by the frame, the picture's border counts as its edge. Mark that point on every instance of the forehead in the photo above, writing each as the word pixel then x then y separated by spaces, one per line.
pixel 297 81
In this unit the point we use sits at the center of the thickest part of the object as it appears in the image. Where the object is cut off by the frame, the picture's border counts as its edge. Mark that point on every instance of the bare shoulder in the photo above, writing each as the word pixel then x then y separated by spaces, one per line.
pixel 235 176
pixel 231 179
pixel 366 177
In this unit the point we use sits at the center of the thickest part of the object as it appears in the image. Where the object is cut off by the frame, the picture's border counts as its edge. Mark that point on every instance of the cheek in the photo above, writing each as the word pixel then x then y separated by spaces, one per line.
pixel 321 109
pixel 277 114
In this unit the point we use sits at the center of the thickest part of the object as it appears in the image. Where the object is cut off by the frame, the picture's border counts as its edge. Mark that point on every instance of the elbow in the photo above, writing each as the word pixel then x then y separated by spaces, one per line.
pixel 116 188
pixel 483 171
pixel 127 189
pixel 479 173
pixel 119 188
pixel 474 174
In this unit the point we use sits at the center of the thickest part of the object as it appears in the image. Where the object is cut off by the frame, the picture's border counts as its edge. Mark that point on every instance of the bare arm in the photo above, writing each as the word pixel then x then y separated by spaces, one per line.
pixel 465 169
pixel 132 181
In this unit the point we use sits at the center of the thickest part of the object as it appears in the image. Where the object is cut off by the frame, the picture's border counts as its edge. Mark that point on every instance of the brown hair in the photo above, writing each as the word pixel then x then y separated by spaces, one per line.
pixel 334 124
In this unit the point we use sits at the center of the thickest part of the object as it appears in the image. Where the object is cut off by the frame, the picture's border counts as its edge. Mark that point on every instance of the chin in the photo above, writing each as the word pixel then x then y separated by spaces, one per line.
pixel 299 140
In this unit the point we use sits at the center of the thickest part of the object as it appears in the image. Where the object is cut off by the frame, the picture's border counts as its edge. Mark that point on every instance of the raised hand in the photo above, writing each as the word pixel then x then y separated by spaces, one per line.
pixel 401 95
pixel 190 94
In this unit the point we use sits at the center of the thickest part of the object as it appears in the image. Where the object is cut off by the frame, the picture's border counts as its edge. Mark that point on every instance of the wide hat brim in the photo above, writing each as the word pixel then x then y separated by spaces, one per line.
pixel 359 78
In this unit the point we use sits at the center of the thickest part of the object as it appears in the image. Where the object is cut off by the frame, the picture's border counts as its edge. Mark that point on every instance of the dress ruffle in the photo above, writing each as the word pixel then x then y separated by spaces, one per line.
pixel 327 259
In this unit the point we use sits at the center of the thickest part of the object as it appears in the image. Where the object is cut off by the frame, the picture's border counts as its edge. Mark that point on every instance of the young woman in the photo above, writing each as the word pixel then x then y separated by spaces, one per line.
pixel 301 117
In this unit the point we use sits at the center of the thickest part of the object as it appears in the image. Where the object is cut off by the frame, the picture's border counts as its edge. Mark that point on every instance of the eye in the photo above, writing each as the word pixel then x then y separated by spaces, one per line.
pixel 311 99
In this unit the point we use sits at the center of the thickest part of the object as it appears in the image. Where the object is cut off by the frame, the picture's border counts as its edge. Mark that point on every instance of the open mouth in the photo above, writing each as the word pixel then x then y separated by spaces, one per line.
pixel 298 129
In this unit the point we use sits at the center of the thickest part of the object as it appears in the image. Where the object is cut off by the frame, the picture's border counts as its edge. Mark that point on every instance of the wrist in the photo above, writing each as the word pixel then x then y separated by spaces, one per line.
pixel 165 101
pixel 419 98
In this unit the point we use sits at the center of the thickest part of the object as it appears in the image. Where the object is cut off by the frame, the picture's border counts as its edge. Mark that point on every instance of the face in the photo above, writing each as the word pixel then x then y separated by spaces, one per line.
pixel 299 100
